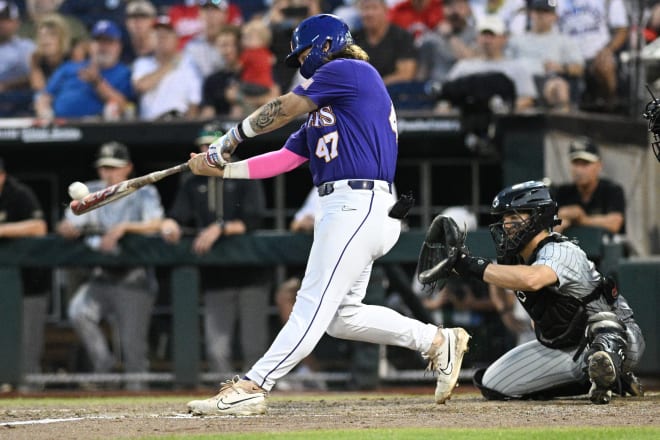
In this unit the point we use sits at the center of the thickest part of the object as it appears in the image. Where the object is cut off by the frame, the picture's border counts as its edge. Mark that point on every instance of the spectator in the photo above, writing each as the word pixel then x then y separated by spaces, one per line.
pixel 417 16
pixel 200 49
pixel 554 60
pixel 257 84
pixel 214 208
pixel 21 216
pixel 37 9
pixel 123 296
pixel 187 20
pixel 220 89
pixel 15 53
pixel 53 49
pixel 492 40
pixel 390 48
pixel 590 200
pixel 140 16
pixel 91 12
pixel 166 82
pixel 99 85
pixel 455 38
pixel 283 17
pixel 600 32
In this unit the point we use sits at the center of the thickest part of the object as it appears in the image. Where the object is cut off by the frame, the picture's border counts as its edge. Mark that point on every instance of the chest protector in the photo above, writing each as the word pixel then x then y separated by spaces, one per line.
pixel 559 321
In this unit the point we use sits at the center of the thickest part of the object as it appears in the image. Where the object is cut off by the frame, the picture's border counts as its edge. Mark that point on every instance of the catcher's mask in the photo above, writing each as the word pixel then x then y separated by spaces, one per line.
pixel 532 198
pixel 651 113
pixel 315 32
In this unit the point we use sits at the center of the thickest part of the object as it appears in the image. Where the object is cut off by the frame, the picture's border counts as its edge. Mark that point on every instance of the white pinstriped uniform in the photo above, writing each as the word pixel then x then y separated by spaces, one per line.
pixel 533 367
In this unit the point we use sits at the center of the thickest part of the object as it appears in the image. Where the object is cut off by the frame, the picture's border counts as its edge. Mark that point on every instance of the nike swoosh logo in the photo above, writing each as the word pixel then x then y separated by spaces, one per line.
pixel 448 369
pixel 346 208
pixel 229 405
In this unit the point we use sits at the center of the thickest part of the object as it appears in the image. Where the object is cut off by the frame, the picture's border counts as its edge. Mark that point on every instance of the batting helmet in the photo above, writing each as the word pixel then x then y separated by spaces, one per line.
pixel 315 32
pixel 532 198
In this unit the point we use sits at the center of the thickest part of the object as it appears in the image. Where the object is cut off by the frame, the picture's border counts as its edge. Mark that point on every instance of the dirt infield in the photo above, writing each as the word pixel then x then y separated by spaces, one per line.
pixel 154 416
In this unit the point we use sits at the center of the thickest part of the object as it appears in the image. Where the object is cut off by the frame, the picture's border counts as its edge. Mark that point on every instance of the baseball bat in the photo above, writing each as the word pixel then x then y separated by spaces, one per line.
pixel 120 190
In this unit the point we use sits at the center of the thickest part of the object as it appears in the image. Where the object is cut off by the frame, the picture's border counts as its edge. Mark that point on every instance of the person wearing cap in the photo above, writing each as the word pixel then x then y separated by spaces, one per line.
pixel 556 62
pixel 140 16
pixel 200 49
pixel 87 88
pixel 590 200
pixel 166 82
pixel 15 53
pixel 210 209
pixel 125 293
pixel 21 215
pixel 492 40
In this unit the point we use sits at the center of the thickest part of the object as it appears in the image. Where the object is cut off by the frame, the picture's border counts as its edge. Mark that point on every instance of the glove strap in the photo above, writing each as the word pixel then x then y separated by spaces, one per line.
pixel 467 265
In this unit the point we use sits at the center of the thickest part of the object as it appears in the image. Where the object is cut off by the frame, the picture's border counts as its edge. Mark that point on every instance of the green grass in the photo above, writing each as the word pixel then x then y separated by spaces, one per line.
pixel 605 433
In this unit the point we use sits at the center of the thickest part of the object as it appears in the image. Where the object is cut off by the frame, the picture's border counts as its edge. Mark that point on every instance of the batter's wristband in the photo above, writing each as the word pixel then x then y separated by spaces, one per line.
pixel 246 129
pixel 235 132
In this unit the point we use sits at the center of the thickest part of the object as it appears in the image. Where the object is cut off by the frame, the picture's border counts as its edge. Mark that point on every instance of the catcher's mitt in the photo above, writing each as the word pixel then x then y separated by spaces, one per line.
pixel 443 244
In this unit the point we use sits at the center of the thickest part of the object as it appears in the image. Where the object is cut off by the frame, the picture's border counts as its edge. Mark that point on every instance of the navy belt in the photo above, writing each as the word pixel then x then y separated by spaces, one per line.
pixel 328 188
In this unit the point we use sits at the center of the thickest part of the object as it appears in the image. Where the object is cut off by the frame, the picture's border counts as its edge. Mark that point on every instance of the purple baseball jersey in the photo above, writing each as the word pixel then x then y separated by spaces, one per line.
pixel 353 133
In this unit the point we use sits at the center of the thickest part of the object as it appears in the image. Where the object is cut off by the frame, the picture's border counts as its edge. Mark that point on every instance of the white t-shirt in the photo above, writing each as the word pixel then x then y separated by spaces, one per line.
pixel 588 23
pixel 179 88
pixel 535 49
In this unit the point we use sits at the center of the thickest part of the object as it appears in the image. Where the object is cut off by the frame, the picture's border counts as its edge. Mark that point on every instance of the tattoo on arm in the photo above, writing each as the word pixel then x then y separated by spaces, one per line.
pixel 267 116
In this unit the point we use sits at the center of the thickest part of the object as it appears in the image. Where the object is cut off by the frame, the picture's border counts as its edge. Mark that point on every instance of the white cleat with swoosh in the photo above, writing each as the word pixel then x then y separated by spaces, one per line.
pixel 236 397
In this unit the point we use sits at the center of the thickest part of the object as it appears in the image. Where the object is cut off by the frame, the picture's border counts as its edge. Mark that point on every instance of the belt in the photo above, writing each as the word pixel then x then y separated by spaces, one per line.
pixel 328 188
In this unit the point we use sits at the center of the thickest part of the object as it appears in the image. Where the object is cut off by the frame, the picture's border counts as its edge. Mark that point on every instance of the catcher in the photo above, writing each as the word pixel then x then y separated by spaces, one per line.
pixel 586 337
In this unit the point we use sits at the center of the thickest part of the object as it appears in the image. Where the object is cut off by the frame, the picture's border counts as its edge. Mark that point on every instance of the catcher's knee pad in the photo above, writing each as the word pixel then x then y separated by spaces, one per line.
pixel 488 393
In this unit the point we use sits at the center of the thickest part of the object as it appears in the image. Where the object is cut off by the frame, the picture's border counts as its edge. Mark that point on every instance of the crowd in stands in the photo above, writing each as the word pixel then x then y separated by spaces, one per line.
pixel 167 59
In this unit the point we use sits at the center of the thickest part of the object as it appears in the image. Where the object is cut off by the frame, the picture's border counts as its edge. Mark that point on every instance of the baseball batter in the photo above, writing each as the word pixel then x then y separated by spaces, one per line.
pixel 349 139
pixel 586 337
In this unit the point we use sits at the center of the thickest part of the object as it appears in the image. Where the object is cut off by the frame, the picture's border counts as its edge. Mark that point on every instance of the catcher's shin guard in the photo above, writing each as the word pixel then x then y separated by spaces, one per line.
pixel 606 336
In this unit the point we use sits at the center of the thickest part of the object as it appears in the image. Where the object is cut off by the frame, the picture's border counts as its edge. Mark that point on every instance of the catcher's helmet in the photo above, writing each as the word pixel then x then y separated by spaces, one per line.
pixel 532 198
pixel 314 32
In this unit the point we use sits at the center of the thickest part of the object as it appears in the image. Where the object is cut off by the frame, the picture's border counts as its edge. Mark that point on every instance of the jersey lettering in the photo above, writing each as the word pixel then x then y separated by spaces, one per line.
pixel 323 117
pixel 326 147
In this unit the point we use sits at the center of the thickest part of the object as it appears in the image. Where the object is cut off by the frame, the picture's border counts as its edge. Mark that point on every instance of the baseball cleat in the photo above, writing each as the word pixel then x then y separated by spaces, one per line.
pixel 238 397
pixel 446 360
pixel 602 375
pixel 632 385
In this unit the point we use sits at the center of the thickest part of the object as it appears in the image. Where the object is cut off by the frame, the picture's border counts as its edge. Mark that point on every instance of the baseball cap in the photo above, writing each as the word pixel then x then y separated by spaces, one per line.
pixel 112 154
pixel 9 10
pixel 208 133
pixel 140 8
pixel 163 21
pixel 543 5
pixel 491 23
pixel 220 4
pixel 106 29
pixel 584 149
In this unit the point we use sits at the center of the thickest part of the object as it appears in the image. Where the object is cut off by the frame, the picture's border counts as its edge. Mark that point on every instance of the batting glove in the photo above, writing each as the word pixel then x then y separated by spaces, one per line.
pixel 223 147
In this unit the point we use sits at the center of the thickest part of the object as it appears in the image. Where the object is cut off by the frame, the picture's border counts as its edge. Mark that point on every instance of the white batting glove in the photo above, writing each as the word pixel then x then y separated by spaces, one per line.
pixel 223 147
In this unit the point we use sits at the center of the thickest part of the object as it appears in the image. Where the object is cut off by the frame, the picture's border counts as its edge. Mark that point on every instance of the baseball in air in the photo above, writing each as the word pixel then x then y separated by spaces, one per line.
pixel 78 190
